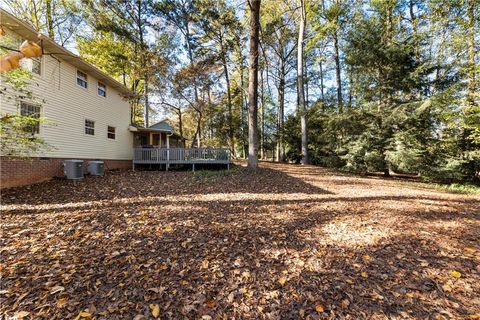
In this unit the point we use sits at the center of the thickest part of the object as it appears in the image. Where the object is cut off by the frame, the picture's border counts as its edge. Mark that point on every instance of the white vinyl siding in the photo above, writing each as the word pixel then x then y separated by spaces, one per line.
pixel 65 109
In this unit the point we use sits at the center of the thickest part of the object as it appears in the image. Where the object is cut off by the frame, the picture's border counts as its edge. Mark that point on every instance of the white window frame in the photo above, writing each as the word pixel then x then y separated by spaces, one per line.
pixel 114 132
pixel 77 78
pixel 40 63
pixel 104 89
pixel 89 127
pixel 26 103
pixel 27 64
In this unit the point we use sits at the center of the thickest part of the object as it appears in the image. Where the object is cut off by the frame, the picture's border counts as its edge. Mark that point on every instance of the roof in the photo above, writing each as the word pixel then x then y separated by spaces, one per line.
pixel 162 125
pixel 50 46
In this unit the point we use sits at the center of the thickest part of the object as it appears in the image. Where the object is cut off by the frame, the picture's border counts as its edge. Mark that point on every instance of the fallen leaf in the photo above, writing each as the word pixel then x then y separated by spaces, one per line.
pixel 319 308
pixel 21 314
pixel 282 280
pixel 57 289
pixel 364 274
pixel 366 258
pixel 211 303
pixel 168 229
pixel 455 274
pixel 205 264
pixel 61 302
pixel 84 315
pixel 155 310
pixel 470 250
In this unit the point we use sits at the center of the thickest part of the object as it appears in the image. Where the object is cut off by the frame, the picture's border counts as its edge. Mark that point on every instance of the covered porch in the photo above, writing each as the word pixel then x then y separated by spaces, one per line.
pixel 157 138
pixel 159 145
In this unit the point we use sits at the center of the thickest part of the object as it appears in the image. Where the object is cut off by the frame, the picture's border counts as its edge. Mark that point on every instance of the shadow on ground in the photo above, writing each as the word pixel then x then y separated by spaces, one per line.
pixel 265 245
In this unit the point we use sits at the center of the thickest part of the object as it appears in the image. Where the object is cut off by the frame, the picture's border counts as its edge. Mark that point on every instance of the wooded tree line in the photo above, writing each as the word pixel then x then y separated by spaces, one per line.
pixel 362 85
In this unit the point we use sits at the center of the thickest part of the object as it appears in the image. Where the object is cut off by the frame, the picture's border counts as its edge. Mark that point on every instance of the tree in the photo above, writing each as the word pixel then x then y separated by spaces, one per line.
pixel 300 83
pixel 218 23
pixel 253 83
pixel 60 20
pixel 129 21
pixel 278 36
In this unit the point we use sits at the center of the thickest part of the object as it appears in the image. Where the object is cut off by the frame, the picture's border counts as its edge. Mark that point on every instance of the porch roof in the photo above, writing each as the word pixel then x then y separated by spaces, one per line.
pixel 168 132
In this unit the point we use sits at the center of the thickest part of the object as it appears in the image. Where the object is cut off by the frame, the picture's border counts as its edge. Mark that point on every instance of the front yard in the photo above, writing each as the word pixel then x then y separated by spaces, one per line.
pixel 287 242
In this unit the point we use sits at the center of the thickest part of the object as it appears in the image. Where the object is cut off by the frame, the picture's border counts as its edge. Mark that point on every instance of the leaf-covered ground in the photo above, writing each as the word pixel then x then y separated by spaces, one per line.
pixel 286 242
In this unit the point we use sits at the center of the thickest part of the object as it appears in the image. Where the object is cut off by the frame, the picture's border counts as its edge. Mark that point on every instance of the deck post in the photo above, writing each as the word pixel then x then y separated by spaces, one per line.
pixel 168 153
pixel 133 165
pixel 193 167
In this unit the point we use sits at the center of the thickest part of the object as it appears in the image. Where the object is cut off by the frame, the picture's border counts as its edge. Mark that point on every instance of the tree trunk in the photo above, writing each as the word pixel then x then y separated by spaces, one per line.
pixel 262 117
pixel 243 106
pixel 350 89
pixel 180 122
pixel 145 70
pixel 195 89
pixel 229 106
pixel 300 85
pixel 281 112
pixel 338 72
pixel 51 33
pixel 253 84
pixel 147 106
pixel 471 84
pixel 243 110
pixel 322 87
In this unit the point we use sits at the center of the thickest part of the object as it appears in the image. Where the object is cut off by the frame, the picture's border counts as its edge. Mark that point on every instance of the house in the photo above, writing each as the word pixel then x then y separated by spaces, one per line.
pixel 88 116
pixel 87 111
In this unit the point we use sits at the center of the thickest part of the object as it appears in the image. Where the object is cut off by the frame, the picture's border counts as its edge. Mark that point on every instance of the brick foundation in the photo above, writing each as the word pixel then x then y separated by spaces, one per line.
pixel 19 172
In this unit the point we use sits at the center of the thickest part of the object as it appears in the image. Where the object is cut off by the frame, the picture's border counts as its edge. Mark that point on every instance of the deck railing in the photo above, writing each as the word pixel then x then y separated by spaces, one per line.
pixel 181 155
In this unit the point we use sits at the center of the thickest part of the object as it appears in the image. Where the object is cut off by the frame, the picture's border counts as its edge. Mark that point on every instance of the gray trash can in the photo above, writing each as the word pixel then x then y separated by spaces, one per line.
pixel 73 169
pixel 96 168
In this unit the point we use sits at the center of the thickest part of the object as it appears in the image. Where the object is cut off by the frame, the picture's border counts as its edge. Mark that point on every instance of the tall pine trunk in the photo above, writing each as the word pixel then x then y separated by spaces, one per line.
pixel 300 85
pixel 471 84
pixel 281 112
pixel 253 84
pixel 262 116
pixel 229 106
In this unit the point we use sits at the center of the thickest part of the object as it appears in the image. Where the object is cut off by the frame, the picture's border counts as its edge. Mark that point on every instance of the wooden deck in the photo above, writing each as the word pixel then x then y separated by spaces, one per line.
pixel 191 156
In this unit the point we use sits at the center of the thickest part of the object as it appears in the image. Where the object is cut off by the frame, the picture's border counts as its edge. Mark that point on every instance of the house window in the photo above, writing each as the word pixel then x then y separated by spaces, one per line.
pixel 81 79
pixel 33 65
pixel 36 66
pixel 102 90
pixel 111 132
pixel 89 127
pixel 31 111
